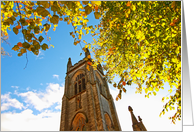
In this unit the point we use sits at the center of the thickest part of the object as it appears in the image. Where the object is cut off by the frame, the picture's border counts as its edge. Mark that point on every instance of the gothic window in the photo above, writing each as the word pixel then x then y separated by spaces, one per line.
pixel 80 83
pixel 79 123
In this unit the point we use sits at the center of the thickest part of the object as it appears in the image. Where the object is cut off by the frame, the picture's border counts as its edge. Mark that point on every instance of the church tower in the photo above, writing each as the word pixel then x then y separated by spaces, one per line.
pixel 87 103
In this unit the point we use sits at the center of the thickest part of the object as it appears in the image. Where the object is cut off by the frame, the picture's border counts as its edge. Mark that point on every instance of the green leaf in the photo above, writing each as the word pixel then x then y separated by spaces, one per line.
pixel 45 4
pixel 23 22
pixel 88 9
pixel 97 15
pixel 40 39
pixel 10 21
pixel 35 42
pixel 54 19
pixel 36 29
pixel 44 46
pixel 54 7
pixel 70 5
pixel 15 30
pixel 47 26
pixel 85 2
pixel 42 11
pixel 26 45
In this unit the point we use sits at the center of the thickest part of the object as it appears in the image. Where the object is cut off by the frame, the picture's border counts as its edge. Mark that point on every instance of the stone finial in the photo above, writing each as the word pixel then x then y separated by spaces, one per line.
pixel 130 109
pixel 69 64
pixel 139 118
pixel 87 52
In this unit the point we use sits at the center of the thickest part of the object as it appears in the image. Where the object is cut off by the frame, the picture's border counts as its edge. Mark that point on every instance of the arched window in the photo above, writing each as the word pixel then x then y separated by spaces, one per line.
pixel 79 83
pixel 79 122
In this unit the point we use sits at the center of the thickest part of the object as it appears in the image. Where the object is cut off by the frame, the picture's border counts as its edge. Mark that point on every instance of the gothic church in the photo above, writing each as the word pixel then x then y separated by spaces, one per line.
pixel 87 104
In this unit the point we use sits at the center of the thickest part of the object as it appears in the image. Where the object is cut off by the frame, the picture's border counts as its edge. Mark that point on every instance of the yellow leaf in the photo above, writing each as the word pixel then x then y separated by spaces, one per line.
pixel 79 37
pixel 86 46
pixel 157 33
pixel 52 45
pixel 150 89
pixel 84 41
pixel 146 90
pixel 157 89
pixel 98 3
pixel 87 31
pixel 170 91
pixel 133 7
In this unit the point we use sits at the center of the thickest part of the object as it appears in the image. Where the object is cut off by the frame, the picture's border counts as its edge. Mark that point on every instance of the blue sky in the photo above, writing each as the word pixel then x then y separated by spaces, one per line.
pixel 32 97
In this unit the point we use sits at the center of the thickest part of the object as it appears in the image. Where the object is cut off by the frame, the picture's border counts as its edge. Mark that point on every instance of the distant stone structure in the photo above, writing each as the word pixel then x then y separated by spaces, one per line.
pixel 137 126
pixel 87 103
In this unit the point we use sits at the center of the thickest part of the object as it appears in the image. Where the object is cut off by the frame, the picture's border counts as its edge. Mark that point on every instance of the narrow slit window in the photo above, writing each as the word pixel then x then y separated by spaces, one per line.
pixel 79 85
pixel 83 84
pixel 75 88
pixel 100 88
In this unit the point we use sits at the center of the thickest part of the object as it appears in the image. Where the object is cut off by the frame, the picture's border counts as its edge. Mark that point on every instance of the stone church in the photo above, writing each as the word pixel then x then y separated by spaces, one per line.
pixel 87 104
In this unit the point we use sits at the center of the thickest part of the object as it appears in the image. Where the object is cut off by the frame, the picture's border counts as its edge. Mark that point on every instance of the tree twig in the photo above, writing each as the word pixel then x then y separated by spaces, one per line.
pixel 23 35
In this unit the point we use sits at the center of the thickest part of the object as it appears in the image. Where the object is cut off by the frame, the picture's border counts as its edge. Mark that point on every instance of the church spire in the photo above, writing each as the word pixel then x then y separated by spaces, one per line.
pixel 137 126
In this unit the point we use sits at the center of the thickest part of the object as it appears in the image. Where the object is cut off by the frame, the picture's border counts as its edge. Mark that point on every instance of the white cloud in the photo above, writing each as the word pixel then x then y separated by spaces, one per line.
pixel 15 87
pixel 40 100
pixel 41 83
pixel 27 121
pixel 8 102
pixel 27 88
pixel 58 107
pixel 56 76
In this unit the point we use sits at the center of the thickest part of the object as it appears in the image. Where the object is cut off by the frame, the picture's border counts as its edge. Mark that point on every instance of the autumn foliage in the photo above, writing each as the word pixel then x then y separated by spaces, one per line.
pixel 139 42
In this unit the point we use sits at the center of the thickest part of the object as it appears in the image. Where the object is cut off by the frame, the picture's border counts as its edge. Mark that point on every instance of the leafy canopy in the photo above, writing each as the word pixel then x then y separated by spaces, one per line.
pixel 140 42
